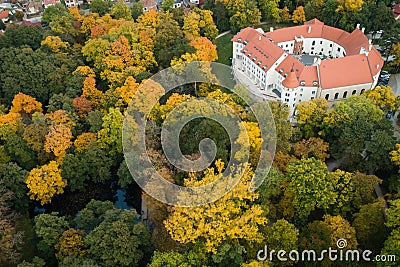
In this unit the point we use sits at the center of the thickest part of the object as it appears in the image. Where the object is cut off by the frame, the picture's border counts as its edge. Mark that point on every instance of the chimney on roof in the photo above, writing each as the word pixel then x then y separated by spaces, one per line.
pixel 363 29
pixel 370 44
pixel 259 38
pixel 358 26
pixel 271 29
pixel 309 29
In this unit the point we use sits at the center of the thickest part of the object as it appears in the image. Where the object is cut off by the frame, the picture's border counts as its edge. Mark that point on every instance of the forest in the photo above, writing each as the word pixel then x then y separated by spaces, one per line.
pixel 65 88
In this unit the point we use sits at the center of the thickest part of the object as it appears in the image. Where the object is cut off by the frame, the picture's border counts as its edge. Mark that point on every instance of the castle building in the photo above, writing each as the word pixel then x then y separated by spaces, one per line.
pixel 304 62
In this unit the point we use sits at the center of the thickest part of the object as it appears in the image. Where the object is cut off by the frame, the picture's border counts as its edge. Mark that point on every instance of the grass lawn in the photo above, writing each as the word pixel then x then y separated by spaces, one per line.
pixel 224 49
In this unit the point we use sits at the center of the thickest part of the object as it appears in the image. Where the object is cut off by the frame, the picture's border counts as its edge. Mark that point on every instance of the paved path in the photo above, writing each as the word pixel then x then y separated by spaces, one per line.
pixel 394 82
pixel 222 34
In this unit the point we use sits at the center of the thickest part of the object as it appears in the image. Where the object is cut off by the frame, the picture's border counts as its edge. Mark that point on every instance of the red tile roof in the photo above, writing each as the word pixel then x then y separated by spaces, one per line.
pixel 346 71
pixel 354 68
pixel 4 14
pixel 291 80
pixel 258 46
pixel 396 10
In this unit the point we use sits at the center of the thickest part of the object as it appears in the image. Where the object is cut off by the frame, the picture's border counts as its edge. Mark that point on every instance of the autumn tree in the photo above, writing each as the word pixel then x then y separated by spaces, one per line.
pixel 70 243
pixel 58 140
pixel 233 217
pixel 310 115
pixel 383 97
pixel 312 147
pixel 45 182
pixel 25 105
pixel 56 44
pixel 282 235
pixel 299 15
pixel 395 51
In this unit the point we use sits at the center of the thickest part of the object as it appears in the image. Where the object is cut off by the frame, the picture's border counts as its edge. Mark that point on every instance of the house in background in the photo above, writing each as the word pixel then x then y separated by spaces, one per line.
pixel 47 3
pixel 33 8
pixel 396 11
pixel 149 4
pixel 4 15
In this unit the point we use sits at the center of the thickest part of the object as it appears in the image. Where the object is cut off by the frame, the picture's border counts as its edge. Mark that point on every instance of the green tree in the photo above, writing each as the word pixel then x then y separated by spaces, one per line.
pixel 369 223
pixel 392 244
pixel 315 9
pixel 282 235
pixel 100 6
pixel 270 10
pixel 167 5
pixel 12 177
pixel 121 11
pixel 93 214
pixel 312 186
pixel 120 240
pixel 21 35
pixel 137 9
pixel 49 228
pixel 53 12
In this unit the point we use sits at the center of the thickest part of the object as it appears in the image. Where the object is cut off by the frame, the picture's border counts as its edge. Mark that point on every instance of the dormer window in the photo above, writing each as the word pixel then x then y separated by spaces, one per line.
pixel 254 58
pixel 302 82
pixel 315 83
pixel 246 42
pixel 239 39
pixel 281 70
pixel 259 62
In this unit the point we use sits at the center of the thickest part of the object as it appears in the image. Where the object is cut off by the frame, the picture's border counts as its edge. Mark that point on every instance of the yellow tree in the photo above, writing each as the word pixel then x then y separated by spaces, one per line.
pixel 205 49
pixel 71 244
pixel 90 92
pixel 299 16
pixel 191 27
pixel 83 141
pixel 395 155
pixel 310 115
pixel 383 97
pixel 149 19
pixel 349 5
pixel 45 182
pixel 56 44
pixel 58 140
pixel 25 104
pixel 126 92
pixel 233 217
pixel 61 117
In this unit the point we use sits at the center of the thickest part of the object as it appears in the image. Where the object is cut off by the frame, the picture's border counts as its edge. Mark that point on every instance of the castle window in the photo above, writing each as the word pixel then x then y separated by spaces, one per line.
pixel 362 91
pixel 345 94
pixel 354 92
pixel 336 95
pixel 313 42
pixel 327 96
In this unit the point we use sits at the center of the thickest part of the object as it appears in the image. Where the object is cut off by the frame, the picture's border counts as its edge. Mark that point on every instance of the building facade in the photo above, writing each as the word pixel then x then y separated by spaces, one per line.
pixel 313 60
